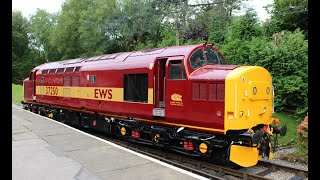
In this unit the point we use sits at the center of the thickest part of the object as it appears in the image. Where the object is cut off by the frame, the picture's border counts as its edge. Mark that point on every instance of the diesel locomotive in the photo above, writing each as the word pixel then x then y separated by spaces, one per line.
pixel 183 98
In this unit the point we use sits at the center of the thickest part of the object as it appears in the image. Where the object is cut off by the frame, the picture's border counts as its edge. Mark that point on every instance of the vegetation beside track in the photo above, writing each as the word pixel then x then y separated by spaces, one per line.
pixel 292 122
pixel 17 93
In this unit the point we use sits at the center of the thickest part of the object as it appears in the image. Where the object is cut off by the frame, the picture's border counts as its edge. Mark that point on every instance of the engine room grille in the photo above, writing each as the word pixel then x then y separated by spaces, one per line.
pixel 211 92
pixel 199 91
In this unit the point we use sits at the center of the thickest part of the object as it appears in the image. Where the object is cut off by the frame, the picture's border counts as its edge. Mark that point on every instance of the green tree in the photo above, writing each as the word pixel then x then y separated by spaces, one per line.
pixel 211 20
pixel 289 67
pixel 288 15
pixel 65 35
pixel 40 28
pixel 20 39
pixel 136 24
pixel 287 61
pixel 20 47
pixel 245 27
pixel 92 29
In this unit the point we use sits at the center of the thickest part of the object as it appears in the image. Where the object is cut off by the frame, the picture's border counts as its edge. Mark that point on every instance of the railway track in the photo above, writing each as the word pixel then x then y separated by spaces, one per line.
pixel 210 170
pixel 272 167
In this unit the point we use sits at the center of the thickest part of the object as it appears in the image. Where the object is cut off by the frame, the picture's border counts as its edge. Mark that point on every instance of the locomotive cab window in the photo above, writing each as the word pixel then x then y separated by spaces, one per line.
pixel 136 87
pixel 211 55
pixel 176 70
pixel 197 59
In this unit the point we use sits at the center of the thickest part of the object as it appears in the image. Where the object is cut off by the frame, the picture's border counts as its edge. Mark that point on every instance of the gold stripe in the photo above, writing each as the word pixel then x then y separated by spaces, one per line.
pixel 94 93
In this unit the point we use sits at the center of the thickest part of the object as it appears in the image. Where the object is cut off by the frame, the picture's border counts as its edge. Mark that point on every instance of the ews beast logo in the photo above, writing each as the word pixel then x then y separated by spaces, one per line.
pixel 176 100
pixel 103 93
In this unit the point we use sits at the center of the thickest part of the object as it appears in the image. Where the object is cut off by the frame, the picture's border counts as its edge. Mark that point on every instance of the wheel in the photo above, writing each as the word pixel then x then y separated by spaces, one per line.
pixel 61 117
pixel 42 111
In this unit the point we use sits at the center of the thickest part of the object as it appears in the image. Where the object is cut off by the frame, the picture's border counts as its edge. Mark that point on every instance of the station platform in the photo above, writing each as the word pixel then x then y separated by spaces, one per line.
pixel 46 149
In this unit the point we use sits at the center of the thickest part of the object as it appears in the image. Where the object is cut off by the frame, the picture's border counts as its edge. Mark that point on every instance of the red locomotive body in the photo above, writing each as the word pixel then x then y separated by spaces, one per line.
pixel 149 95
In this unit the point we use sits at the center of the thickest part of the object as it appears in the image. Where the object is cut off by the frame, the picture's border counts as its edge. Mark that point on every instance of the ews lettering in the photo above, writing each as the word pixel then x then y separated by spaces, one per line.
pixel 103 93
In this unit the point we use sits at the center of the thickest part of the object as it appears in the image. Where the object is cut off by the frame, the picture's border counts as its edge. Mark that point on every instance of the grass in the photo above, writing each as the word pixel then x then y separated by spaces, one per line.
pixel 291 122
pixel 17 93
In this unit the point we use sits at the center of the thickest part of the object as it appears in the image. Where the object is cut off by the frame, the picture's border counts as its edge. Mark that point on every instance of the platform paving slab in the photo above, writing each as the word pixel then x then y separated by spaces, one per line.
pixel 42 149
pixel 38 162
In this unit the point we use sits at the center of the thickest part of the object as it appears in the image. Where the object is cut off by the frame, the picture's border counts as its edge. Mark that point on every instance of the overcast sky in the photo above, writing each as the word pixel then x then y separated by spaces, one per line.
pixel 29 7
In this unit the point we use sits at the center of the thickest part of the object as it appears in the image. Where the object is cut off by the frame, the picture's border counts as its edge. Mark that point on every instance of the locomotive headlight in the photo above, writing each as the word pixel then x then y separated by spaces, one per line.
pixel 254 90
pixel 219 113
pixel 268 90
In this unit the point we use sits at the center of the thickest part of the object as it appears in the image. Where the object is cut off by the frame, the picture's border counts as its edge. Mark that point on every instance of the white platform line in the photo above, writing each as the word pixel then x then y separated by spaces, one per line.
pixel 123 148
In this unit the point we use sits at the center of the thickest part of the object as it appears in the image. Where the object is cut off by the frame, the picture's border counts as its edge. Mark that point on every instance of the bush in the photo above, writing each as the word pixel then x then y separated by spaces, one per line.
pixel 287 61
pixel 302 132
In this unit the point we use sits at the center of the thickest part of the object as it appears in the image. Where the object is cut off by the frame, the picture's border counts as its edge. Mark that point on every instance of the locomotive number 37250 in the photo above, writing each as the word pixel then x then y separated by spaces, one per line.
pixel 51 91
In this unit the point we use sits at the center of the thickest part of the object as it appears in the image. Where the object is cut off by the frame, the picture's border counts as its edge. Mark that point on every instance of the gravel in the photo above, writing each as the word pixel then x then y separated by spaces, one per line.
pixel 253 169
pixel 276 159
pixel 280 175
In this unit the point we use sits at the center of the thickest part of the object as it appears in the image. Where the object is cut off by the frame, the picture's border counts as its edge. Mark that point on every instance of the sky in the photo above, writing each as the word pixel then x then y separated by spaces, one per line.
pixel 258 5
pixel 29 7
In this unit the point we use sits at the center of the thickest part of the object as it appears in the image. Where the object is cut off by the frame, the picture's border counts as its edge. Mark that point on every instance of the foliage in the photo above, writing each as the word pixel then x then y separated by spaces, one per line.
pixel 285 58
pixel 168 38
pixel 291 122
pixel 302 132
pixel 195 33
pixel 17 93
pixel 65 35
pixel 244 27
pixel 289 68
pixel 22 54
pixel 302 136
pixel 288 15
pixel 20 39
pixel 40 29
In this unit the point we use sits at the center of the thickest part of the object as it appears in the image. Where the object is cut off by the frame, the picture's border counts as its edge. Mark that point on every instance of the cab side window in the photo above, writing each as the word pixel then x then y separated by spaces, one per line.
pixel 176 70
pixel 197 59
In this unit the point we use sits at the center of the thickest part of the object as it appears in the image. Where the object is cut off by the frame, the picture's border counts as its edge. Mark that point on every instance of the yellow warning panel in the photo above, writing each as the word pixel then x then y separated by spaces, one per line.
pixel 244 156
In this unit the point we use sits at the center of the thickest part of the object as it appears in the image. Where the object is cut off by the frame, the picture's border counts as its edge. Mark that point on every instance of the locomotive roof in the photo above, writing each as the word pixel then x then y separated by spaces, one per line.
pixel 122 58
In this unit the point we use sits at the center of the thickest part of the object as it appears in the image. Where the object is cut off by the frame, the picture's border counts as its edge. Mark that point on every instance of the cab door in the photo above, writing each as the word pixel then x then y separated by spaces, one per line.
pixel 159 85
pixel 176 90
pixel 34 83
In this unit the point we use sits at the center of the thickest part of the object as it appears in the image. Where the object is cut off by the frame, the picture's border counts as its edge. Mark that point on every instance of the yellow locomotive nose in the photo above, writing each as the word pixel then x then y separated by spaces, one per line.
pixel 249 98
pixel 249 106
